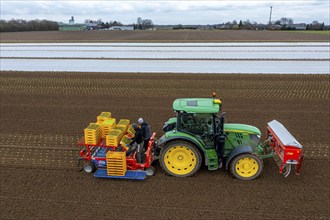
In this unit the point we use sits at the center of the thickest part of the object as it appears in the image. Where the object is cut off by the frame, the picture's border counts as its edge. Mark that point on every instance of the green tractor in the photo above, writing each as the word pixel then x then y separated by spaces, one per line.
pixel 198 135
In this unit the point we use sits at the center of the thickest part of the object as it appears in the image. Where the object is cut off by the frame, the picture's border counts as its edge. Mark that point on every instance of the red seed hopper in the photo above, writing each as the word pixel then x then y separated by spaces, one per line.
pixel 288 151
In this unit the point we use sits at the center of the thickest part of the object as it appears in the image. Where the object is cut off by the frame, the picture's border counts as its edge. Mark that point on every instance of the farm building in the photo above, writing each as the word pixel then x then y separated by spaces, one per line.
pixel 122 28
pixel 301 26
pixel 92 26
pixel 71 27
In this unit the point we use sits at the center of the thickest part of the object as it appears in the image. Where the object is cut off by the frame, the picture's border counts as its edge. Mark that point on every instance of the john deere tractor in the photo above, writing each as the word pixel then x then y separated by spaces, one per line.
pixel 198 135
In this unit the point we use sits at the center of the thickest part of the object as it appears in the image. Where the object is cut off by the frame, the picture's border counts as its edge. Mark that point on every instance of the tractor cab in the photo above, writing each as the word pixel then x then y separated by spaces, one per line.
pixel 196 117
pixel 196 124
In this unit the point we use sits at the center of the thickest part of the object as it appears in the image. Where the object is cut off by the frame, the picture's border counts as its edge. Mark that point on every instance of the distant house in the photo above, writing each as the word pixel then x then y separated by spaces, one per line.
pixel 205 27
pixel 301 26
pixel 276 27
pixel 91 26
pixel 122 28
pixel 163 27
pixel 261 27
pixel 224 27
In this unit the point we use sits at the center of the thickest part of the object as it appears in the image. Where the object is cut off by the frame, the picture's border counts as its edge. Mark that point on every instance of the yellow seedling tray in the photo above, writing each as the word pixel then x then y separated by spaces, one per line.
pixel 125 141
pixel 131 131
pixel 103 116
pixel 124 122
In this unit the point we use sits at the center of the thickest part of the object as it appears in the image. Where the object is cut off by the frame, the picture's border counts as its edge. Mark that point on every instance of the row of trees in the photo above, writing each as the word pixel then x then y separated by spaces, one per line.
pixel 15 25
pixel 241 25
pixel 315 25
pixel 287 24
pixel 283 24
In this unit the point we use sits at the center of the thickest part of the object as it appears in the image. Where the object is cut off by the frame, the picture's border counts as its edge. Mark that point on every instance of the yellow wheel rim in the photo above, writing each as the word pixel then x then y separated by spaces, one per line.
pixel 246 167
pixel 180 160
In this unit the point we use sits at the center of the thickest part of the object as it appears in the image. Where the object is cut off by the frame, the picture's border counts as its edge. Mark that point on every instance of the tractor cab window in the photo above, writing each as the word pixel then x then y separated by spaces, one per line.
pixel 199 124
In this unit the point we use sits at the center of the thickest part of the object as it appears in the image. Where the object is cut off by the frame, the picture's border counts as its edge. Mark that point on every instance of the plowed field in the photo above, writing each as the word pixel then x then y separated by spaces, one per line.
pixel 43 115
pixel 163 36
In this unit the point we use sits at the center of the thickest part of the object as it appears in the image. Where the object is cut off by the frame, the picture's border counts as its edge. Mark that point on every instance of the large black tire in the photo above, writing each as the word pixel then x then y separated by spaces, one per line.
pixel 89 167
pixel 180 158
pixel 246 166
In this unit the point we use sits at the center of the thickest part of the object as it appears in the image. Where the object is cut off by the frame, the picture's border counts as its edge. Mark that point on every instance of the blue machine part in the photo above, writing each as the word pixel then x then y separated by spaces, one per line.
pixel 130 174
pixel 100 152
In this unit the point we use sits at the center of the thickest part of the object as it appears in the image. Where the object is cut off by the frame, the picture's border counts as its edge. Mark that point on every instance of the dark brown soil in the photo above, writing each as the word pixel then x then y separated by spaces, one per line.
pixel 43 115
pixel 162 36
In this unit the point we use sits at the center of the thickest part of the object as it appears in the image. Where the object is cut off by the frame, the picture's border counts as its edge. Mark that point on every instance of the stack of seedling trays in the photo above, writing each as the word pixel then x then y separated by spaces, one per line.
pixel 116 134
pixel 92 134
pixel 106 126
pixel 113 138
pixel 116 163
pixel 125 141
pixel 122 125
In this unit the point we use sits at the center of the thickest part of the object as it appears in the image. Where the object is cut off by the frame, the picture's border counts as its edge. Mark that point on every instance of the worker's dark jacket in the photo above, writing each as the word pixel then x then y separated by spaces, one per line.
pixel 137 137
pixel 146 133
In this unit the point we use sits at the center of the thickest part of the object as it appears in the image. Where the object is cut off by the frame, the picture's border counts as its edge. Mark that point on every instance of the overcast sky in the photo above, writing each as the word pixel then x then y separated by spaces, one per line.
pixel 168 12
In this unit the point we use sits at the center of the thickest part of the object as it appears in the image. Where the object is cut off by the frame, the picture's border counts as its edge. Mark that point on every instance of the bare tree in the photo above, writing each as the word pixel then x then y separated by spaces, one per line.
pixel 286 21
pixel 144 24
pixel 147 24
pixel 247 25
pixel 315 25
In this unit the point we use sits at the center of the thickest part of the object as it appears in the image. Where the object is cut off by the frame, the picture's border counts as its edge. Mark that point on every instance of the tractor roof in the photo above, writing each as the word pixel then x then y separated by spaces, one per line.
pixel 197 105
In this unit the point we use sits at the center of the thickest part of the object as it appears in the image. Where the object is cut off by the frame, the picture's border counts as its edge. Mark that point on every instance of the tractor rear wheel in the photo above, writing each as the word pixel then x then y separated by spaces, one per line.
pixel 180 159
pixel 246 166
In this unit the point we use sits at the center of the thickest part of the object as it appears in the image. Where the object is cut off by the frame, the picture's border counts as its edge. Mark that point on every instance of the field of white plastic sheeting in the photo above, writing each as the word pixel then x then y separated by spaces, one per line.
pixel 292 58
pixel 167 66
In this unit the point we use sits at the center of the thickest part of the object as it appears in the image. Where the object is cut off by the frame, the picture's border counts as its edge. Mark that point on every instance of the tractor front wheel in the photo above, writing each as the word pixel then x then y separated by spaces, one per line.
pixel 246 166
pixel 180 159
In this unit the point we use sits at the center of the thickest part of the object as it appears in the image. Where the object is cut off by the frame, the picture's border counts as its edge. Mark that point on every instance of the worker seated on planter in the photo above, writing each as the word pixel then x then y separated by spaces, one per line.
pixel 146 133
pixel 136 144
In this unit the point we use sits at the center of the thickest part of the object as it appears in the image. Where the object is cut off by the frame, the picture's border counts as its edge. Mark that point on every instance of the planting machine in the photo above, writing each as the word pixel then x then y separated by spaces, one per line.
pixel 196 135
pixel 104 149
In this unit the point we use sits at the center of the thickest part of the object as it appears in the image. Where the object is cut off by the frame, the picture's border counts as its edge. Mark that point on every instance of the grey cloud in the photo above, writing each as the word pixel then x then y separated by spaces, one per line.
pixel 167 11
